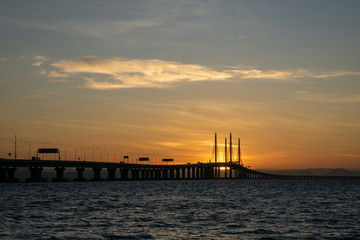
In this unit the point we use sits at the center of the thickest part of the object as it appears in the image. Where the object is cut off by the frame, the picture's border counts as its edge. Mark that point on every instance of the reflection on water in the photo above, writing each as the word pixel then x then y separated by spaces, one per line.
pixel 186 209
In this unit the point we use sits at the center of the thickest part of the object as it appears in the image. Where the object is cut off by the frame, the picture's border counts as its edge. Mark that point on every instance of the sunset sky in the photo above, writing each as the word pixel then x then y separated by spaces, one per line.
pixel 161 77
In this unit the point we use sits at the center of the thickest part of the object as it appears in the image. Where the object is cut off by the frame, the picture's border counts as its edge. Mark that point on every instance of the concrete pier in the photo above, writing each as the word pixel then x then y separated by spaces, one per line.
pixel 172 175
pixel 97 174
pixel 165 174
pixel 111 174
pixel 193 172
pixel 59 175
pixel 135 175
pixel 3 174
pixel 7 174
pixel 35 175
pixel 124 174
pixel 178 173
pixel 80 174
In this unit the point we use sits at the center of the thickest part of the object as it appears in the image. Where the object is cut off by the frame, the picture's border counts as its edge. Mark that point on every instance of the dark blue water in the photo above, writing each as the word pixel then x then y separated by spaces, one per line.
pixel 188 209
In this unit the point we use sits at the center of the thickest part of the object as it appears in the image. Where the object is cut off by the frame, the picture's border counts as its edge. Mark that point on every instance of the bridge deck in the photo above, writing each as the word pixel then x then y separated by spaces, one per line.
pixel 132 171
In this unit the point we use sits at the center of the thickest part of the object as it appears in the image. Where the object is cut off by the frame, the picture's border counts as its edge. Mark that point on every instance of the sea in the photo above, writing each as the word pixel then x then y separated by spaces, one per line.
pixel 182 209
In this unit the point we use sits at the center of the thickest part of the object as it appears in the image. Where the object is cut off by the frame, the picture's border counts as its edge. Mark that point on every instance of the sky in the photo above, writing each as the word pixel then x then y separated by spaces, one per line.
pixel 103 79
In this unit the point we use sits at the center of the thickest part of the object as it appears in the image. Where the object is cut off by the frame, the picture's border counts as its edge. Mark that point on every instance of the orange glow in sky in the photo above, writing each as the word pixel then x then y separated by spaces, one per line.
pixel 147 78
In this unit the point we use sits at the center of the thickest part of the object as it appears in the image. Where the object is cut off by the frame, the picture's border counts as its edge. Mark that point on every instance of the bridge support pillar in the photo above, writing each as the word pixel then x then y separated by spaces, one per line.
pixel 177 173
pixel 124 173
pixel 211 172
pixel 111 174
pixel 11 174
pixel 208 172
pixel 241 173
pixel 7 174
pixel 80 174
pixel 230 172
pixel 97 174
pixel 193 171
pixel 59 175
pixel 172 174
pixel 151 174
pixel 165 174
pixel 183 173
pixel 188 173
pixel 35 175
pixel 143 174
pixel 135 174
pixel 3 174
pixel 157 174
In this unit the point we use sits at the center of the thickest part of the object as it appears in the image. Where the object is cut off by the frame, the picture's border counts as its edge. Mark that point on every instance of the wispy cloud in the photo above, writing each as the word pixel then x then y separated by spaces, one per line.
pixel 39 60
pixel 105 29
pixel 336 74
pixel 301 92
pixel 348 155
pixel 53 74
pixel 353 98
pixel 116 73
pixel 3 60
pixel 353 125
pixel 34 60
pixel 137 73
pixel 42 95
pixel 254 73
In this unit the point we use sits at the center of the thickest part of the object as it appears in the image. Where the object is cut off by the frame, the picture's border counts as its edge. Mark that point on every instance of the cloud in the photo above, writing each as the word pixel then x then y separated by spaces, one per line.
pixel 123 73
pixel 116 73
pixel 349 155
pixel 248 72
pixel 169 144
pixel 301 92
pixel 42 95
pixel 260 74
pixel 53 74
pixel 336 74
pixel 105 29
pixel 354 125
pixel 39 60
pixel 56 74
pixel 3 60
pixel 353 98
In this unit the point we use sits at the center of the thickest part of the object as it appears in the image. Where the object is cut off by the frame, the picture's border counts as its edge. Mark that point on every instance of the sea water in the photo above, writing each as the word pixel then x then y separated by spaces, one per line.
pixel 181 209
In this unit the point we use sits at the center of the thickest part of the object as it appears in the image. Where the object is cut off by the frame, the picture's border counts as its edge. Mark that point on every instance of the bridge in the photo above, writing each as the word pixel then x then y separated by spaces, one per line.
pixel 122 171
pixel 132 171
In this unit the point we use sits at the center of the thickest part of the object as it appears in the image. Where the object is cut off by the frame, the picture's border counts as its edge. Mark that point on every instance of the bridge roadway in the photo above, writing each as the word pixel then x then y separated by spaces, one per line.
pixel 132 171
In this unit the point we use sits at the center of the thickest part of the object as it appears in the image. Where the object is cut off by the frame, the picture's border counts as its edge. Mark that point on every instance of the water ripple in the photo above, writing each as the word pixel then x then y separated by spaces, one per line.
pixel 204 209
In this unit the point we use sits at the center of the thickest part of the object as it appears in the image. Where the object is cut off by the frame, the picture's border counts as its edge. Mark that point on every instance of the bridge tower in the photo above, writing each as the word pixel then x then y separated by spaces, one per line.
pixel 215 148
pixel 216 153
pixel 225 158
pixel 230 148
pixel 239 152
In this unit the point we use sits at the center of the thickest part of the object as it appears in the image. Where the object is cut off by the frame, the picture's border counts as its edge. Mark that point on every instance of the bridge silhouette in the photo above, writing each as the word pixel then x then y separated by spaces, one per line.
pixel 133 171
pixel 121 171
